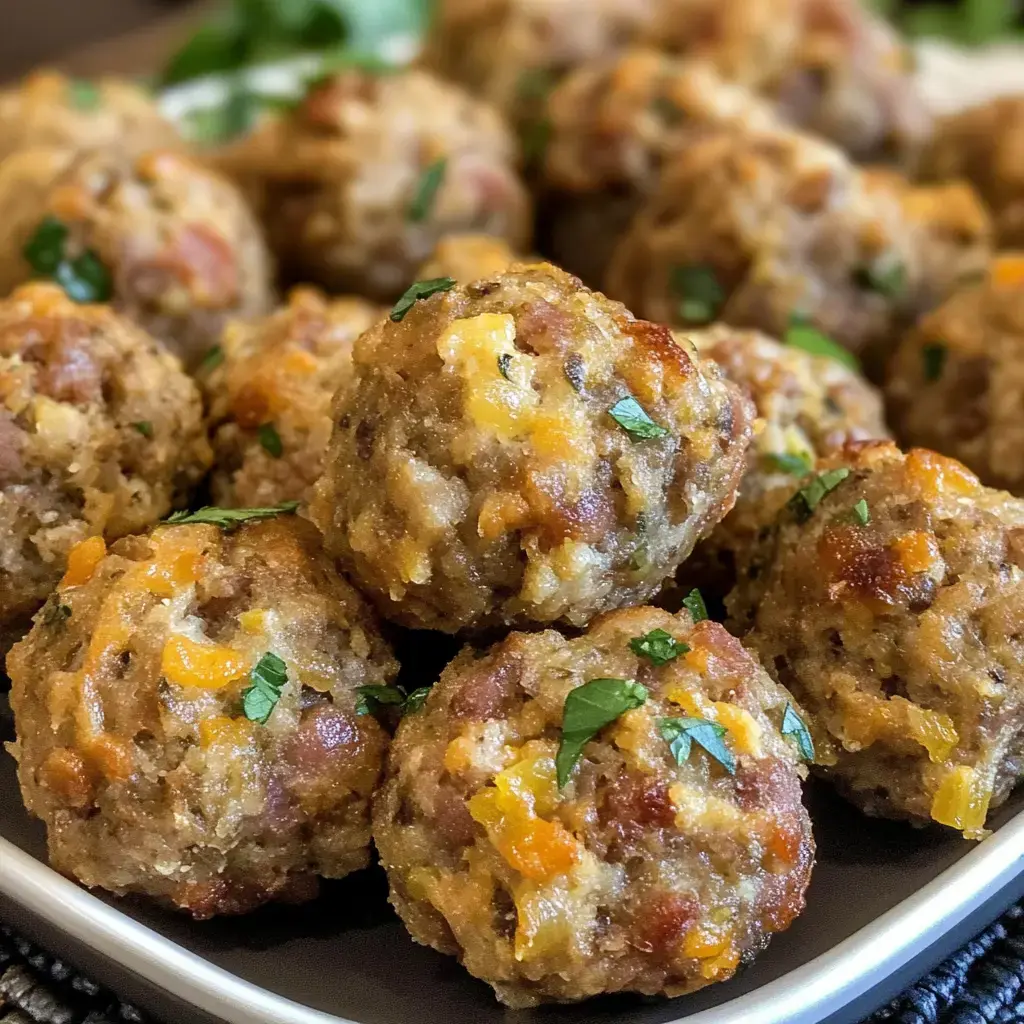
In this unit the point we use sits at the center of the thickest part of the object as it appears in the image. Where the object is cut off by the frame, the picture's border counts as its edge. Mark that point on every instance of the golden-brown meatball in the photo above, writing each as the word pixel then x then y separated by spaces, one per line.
pixel 172 244
pixel 467 258
pixel 888 599
pixel 956 381
pixel 358 183
pixel 656 867
pixel 186 717
pixel 523 450
pixel 49 109
pixel 101 433
pixel 270 399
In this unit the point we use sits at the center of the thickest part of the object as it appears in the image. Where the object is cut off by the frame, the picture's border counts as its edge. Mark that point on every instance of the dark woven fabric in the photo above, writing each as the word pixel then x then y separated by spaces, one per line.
pixel 983 983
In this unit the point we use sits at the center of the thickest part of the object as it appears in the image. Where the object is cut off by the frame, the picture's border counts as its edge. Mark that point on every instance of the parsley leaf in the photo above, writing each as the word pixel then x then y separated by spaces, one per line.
pixel 83 278
pixel 787 462
pixel 699 293
pixel 267 679
pixel 426 191
pixel 658 647
pixel 534 138
pixel 887 277
pixel 230 518
pixel 44 251
pixel 807 499
pixel 83 95
pixel 213 358
pixel 694 604
pixel 270 440
pixel 588 709
pixel 682 733
pixel 630 415
pixel 227 120
pixel 373 699
pixel 504 363
pixel 803 335
pixel 55 614
pixel 862 513
pixel 144 427
pixel 415 700
pixel 934 359
pixel 420 290
pixel 534 84
pixel 793 725
pixel 664 108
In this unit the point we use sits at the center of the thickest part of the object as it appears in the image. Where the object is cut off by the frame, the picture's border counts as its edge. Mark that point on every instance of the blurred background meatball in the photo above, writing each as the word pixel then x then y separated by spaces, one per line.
pixel 269 399
pixel 172 244
pixel 186 717
pixel 522 450
pixel 666 857
pixel 888 598
pixel 467 258
pixel 48 109
pixel 956 381
pixel 357 184
pixel 100 434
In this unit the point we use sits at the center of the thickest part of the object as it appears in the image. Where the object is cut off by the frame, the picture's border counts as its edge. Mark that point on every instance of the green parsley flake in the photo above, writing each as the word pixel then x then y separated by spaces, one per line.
pixel 420 290
pixel 682 733
pixel 630 415
pixel 267 680
pixel 83 95
pixel 145 428
pixel 55 614
pixel 505 364
pixel 534 138
pixel 933 357
pixel 807 499
pixel 887 277
pixel 534 84
pixel 787 462
pixel 658 647
pixel 699 293
pixel 804 336
pixel 793 725
pixel 372 700
pixel 426 190
pixel 665 109
pixel 229 519
pixel 213 358
pixel 270 440
pixel 694 604
pixel 588 709
pixel 84 278
pixel 862 513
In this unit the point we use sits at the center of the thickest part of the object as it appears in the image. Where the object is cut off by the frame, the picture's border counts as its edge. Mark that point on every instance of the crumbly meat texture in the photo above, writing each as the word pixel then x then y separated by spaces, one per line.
pixel 269 400
pixel 614 124
pixel 985 146
pixel 182 248
pixel 642 874
pixel 956 381
pixel 343 181
pixel 132 744
pixel 477 477
pixel 101 433
pixel 467 258
pixel 787 227
pixel 808 407
pixel 830 66
pixel 900 637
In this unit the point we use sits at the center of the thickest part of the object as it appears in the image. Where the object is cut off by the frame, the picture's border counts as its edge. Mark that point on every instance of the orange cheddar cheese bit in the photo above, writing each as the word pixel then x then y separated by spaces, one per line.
pixel 208 666
pixel 83 559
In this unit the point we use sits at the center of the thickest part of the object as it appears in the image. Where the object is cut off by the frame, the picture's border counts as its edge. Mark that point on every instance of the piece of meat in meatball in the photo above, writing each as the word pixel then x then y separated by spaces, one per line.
pixel 169 242
pixel 361 179
pixel 186 716
pixel 269 398
pixel 101 433
pixel 671 851
pixel 887 598
pixel 522 450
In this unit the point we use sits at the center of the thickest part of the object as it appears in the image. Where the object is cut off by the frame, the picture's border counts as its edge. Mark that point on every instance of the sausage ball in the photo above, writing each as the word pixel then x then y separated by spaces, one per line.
pixel 358 183
pixel 808 406
pixel 985 145
pixel 269 399
pixel 888 598
pixel 467 258
pixel 521 450
pixel 956 381
pixel 172 244
pixel 101 433
pixel 614 123
pixel 186 717
pixel 49 109
pixel 830 66
pixel 653 868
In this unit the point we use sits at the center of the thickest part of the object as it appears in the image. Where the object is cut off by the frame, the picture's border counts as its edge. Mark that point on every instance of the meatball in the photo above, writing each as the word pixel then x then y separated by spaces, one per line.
pixel 358 183
pixel 655 868
pixel 830 66
pixel 956 381
pixel 101 433
pixel 521 450
pixel 171 243
pixel 187 722
pixel 614 123
pixel 888 598
pixel 467 258
pixel 809 406
pixel 48 109
pixel 270 399
pixel 985 145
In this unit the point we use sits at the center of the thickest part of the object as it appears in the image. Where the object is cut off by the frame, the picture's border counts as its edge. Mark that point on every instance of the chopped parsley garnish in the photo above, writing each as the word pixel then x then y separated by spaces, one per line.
pixel 415 700
pixel 213 358
pixel 230 518
pixel 793 725
pixel 886 277
pixel 267 680
pixel 658 647
pixel 788 462
pixel 933 358
pixel 227 120
pixel 84 278
pixel 588 709
pixel 426 190
pixel 504 363
pixel 534 138
pixel 144 427
pixel 630 415
pixel 804 336
pixel 694 604
pixel 373 699
pixel 83 95
pixel 55 614
pixel 666 110
pixel 682 733
pixel 270 440
pixel 534 84
pixel 420 290
pixel 862 513
pixel 699 293
pixel 807 499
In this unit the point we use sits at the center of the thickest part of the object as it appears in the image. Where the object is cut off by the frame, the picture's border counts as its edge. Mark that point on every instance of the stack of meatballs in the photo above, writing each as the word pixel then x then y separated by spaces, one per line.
pixel 264 408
